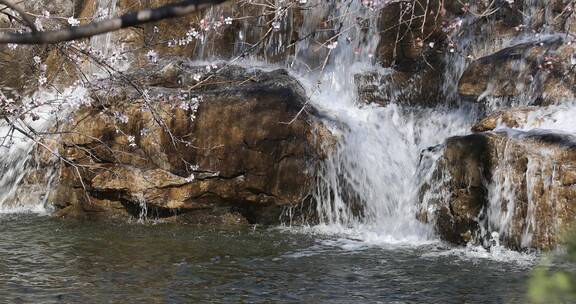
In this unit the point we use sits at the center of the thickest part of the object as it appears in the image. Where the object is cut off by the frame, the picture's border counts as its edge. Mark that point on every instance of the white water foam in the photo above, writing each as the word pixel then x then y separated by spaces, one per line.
pixel 330 240
pixel 554 118
pixel 495 253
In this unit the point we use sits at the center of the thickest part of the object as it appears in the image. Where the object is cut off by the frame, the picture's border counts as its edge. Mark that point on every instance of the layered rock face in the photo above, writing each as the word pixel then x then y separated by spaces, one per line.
pixel 534 73
pixel 522 55
pixel 411 40
pixel 518 184
pixel 239 145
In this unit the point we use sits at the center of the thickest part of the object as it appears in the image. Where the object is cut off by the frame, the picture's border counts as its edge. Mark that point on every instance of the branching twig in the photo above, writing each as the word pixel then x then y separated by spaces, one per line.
pixel 174 10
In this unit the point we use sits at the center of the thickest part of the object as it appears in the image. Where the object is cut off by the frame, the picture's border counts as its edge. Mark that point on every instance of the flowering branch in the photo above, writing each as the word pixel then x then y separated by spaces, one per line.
pixel 173 10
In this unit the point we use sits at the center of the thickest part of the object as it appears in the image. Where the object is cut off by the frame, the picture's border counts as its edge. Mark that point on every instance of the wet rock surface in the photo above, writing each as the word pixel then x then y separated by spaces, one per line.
pixel 537 72
pixel 517 184
pixel 245 148
pixel 511 118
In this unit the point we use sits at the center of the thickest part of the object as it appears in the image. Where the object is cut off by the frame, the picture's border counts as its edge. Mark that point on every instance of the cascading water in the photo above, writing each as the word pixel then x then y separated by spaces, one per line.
pixel 18 161
pixel 15 165
pixel 102 45
pixel 368 186
pixel 375 169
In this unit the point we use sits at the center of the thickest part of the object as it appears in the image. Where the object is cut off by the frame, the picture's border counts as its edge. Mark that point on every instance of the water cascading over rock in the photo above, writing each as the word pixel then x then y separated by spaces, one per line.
pixel 512 185
pixel 401 85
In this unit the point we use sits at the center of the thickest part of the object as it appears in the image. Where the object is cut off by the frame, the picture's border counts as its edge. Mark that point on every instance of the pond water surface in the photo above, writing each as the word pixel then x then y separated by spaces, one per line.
pixel 49 260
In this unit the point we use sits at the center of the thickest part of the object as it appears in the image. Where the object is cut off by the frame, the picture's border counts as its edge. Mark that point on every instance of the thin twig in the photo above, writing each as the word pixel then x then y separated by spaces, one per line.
pixel 22 14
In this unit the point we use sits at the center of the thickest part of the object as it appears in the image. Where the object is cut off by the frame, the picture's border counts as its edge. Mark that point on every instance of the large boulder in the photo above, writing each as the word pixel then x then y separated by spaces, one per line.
pixel 519 186
pixel 533 73
pixel 237 142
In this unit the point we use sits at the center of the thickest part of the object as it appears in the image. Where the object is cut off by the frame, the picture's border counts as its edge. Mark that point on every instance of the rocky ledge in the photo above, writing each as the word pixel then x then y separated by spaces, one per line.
pixel 521 185
pixel 234 146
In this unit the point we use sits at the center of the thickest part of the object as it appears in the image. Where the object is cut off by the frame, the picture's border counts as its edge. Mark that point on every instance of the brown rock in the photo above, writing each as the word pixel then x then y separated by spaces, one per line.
pixel 538 70
pixel 241 146
pixel 422 88
pixel 512 118
pixel 480 168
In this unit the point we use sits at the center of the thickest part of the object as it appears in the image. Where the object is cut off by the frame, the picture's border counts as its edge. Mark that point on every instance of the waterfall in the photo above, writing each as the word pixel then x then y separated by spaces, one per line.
pixel 102 45
pixel 18 163
pixel 18 160
pixel 375 168
pixel 15 165
pixel 368 185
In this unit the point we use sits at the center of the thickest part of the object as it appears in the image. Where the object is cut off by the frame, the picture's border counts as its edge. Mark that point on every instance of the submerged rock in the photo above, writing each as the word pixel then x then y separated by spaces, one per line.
pixel 518 184
pixel 240 141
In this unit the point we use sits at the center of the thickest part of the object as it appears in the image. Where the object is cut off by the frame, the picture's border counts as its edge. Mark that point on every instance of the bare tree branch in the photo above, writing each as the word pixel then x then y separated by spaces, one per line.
pixel 173 10
pixel 20 12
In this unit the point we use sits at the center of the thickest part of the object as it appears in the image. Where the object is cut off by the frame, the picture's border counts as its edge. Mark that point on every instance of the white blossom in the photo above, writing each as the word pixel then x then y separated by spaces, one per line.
pixel 190 178
pixel 152 56
pixel 73 21
pixel 38 24
pixel 121 117
pixel 132 141
pixel 42 80
pixel 276 25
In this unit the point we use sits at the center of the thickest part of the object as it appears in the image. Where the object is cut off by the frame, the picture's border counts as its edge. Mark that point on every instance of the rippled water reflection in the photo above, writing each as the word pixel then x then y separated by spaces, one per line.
pixel 50 260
